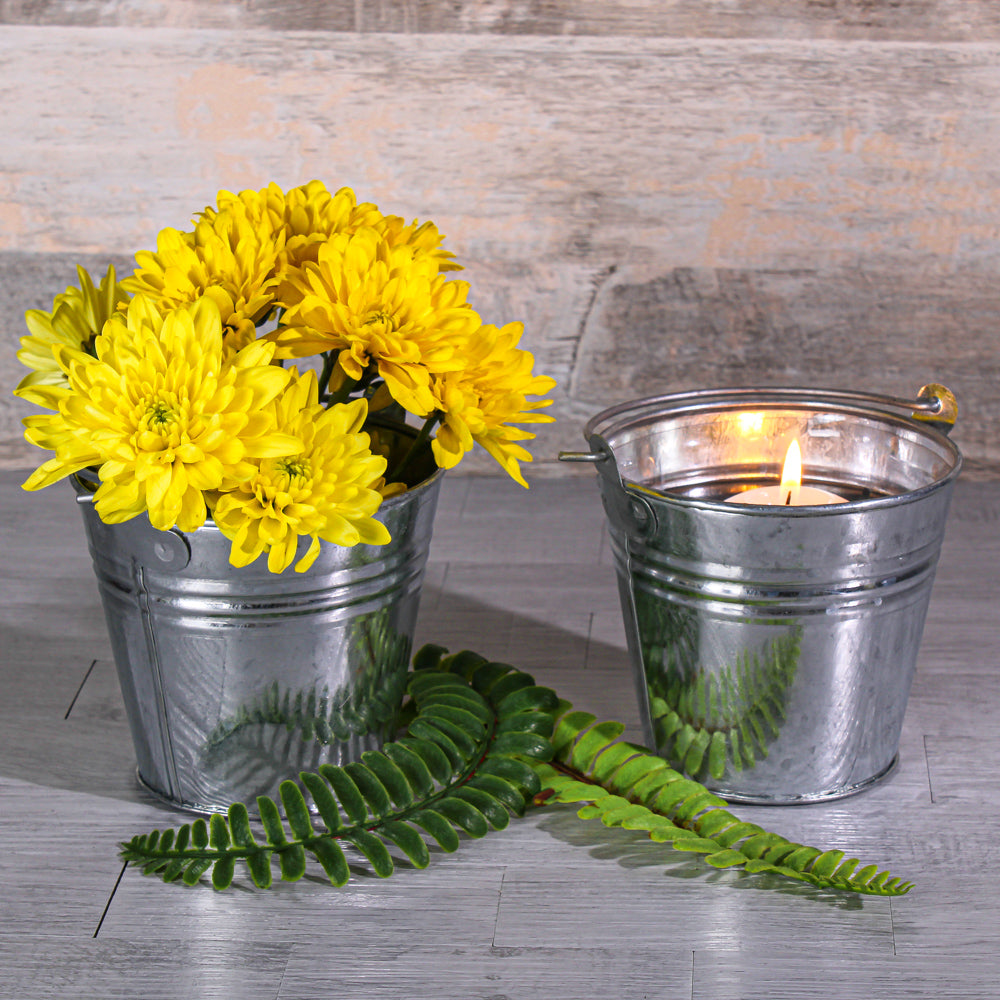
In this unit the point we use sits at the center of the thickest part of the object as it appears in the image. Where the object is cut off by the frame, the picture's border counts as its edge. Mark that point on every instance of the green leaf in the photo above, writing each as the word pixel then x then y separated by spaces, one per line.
pixel 824 864
pixel 487 676
pixel 434 758
pixel 347 792
pixel 223 872
pixel 374 792
pixel 296 810
pixel 239 825
pixel 526 698
pixel 417 775
pixel 522 745
pixel 271 820
pixel 323 798
pixel 292 860
pixel 514 771
pixel 567 730
pixel 374 850
pixel 183 838
pixel 592 743
pixel 259 865
pixel 492 809
pixel 331 857
pixel 468 723
pixel 438 827
pixel 195 870
pixel 465 664
pixel 462 699
pixel 428 657
pixel 501 790
pixel 526 722
pixel 434 733
pixel 725 859
pixel 611 760
pixel 389 774
pixel 199 834
pixel 408 841
pixel 463 815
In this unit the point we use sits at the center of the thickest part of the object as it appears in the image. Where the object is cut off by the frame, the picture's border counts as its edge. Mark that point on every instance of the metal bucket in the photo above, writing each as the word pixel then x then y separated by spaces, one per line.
pixel 237 678
pixel 774 647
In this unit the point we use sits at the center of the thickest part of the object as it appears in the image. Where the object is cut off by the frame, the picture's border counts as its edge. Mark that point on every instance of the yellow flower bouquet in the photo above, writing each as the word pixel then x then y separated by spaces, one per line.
pixel 176 385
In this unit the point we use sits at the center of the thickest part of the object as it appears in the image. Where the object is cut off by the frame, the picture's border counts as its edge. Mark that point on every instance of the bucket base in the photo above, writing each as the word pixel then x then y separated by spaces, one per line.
pixel 191 807
pixel 740 798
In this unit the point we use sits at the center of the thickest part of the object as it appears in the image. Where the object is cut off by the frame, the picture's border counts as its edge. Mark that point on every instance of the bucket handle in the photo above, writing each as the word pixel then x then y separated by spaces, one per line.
pixel 937 406
pixel 624 504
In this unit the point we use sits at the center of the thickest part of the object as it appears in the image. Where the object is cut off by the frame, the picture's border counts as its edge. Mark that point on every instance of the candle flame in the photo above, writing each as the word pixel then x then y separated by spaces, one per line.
pixel 791 471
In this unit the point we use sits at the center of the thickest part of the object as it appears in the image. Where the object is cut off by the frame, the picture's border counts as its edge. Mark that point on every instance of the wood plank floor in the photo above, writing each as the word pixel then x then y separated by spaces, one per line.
pixel 551 908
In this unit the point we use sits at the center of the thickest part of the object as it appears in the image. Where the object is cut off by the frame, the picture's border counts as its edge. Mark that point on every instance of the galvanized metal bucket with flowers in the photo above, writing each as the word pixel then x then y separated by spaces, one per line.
pixel 259 530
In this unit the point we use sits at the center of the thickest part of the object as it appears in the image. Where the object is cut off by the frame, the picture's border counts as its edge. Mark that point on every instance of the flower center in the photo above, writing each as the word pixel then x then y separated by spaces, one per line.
pixel 297 465
pixel 159 416
pixel 379 317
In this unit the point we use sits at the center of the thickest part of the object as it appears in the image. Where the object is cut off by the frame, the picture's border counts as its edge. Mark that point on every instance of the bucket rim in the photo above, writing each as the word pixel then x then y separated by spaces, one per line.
pixel 846 400
pixel 890 410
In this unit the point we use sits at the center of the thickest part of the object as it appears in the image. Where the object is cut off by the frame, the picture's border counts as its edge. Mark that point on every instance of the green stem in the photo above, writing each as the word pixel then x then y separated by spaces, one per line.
pixel 341 395
pixel 398 474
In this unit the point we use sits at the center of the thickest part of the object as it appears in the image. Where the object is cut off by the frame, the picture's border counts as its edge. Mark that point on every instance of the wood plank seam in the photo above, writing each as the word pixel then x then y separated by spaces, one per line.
pixel 496 918
pixel 107 905
pixel 927 765
pixel 90 669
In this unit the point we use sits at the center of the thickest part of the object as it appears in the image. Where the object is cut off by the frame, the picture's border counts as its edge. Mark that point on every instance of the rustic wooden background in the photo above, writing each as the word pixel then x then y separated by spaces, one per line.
pixel 672 194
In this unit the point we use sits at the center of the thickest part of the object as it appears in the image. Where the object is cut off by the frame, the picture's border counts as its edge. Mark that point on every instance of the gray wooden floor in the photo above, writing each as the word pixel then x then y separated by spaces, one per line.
pixel 551 908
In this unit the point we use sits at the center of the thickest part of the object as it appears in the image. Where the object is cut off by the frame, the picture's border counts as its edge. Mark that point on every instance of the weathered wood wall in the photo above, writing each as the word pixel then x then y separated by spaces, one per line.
pixel 671 195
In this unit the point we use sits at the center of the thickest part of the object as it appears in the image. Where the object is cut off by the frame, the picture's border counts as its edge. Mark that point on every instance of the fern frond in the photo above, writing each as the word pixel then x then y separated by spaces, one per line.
pixel 626 786
pixel 463 766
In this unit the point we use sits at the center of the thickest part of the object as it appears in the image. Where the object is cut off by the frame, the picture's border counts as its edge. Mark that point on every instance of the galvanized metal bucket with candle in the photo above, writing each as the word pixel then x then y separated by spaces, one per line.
pixel 773 621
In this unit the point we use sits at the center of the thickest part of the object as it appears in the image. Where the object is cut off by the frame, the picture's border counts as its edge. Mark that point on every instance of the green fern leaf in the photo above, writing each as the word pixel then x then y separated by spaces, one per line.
pixel 624 785
pixel 413 768
pixel 259 865
pixel 454 772
pixel 408 840
pixel 374 793
pixel 392 779
pixel 296 810
pixel 348 794
pixel 269 817
pixel 329 854
pixel 478 745
pixel 438 827
pixel 374 849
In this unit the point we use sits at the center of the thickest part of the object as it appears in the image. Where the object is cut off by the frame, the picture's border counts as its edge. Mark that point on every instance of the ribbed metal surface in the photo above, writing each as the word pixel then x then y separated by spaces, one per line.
pixel 773 647
pixel 236 678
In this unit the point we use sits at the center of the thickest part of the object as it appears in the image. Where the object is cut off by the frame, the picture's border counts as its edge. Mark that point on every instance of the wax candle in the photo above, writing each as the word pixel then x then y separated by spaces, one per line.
pixel 791 492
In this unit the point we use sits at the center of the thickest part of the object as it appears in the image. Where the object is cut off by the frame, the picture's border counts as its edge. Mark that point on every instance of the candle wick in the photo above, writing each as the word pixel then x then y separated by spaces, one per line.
pixel 788 499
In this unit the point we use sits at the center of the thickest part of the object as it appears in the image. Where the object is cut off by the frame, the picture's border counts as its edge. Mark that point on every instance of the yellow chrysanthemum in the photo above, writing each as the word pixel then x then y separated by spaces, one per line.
pixel 161 414
pixel 230 257
pixel 379 305
pixel 481 402
pixel 328 490
pixel 78 316
pixel 309 215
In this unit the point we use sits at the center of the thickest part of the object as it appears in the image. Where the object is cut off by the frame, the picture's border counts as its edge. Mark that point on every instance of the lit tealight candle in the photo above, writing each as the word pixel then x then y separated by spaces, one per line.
pixel 791 492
